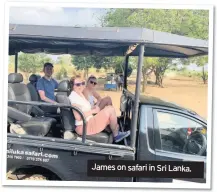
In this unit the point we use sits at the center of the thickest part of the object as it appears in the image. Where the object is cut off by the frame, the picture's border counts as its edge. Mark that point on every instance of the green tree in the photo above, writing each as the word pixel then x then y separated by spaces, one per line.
pixel 201 63
pixel 64 60
pixel 11 63
pixel 11 60
pixel 191 23
pixel 101 61
pixel 118 64
pixel 204 75
pixel 62 73
pixel 147 68
pixel 85 62
pixel 82 63
pixel 160 68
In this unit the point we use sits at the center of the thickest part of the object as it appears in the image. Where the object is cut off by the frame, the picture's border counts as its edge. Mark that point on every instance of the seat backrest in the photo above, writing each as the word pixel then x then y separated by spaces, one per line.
pixel 67 115
pixel 32 87
pixel 64 88
pixel 18 91
pixel 34 78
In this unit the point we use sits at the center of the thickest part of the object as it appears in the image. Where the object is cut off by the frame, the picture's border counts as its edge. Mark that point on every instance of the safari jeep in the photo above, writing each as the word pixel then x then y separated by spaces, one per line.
pixel 160 130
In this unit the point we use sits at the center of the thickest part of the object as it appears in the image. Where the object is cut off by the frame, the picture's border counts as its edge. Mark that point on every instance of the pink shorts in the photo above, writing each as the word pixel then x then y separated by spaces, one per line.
pixel 96 124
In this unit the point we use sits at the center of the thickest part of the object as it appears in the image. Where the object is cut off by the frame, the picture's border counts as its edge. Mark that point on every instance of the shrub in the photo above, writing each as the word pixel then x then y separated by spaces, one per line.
pixel 62 73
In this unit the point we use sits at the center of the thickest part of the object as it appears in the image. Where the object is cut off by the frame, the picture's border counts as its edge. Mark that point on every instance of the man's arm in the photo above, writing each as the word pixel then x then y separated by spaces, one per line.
pixel 44 98
pixel 41 92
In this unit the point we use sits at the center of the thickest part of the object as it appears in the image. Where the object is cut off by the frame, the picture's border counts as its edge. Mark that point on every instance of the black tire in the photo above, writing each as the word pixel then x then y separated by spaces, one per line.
pixel 11 176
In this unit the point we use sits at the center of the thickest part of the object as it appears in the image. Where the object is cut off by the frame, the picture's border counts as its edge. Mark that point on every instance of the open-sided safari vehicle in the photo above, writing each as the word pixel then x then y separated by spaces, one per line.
pixel 159 130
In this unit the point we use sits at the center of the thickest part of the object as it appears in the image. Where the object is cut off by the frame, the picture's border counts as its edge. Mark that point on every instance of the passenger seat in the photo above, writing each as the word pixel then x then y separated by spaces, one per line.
pixel 32 87
pixel 20 113
pixel 49 111
pixel 69 119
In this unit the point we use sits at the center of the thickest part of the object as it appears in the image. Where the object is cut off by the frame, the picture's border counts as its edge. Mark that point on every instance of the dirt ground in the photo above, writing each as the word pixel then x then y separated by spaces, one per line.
pixel 183 91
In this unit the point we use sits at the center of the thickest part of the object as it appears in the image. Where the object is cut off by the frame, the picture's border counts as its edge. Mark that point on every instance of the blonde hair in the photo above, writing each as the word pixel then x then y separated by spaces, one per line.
pixel 72 80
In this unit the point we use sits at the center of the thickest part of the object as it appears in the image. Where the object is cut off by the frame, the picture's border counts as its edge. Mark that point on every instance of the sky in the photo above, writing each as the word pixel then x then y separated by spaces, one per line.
pixel 82 17
pixel 56 16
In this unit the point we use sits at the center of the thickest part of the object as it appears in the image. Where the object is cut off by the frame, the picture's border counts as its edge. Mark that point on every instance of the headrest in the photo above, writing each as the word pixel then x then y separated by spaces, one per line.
pixel 64 86
pixel 15 78
pixel 34 78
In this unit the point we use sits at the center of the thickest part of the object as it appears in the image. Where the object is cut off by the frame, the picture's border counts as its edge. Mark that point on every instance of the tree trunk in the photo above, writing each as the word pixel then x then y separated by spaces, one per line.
pixel 87 71
pixel 27 77
pixel 84 73
pixel 144 77
pixel 204 77
pixel 159 77
pixel 144 83
pixel 161 81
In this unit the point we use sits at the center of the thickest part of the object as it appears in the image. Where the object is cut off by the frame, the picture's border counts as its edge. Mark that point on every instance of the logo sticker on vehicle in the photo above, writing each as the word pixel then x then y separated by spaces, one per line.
pixel 30 155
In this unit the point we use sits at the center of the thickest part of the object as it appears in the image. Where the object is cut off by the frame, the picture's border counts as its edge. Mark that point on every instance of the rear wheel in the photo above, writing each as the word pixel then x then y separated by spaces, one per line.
pixel 35 177
pixel 11 176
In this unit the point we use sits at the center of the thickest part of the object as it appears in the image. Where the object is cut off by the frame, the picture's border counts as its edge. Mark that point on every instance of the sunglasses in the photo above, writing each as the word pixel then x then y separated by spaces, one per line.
pixel 79 84
pixel 92 82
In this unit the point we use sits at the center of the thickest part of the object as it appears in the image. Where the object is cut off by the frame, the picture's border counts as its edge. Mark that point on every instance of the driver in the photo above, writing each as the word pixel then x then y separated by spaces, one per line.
pixel 91 94
pixel 97 120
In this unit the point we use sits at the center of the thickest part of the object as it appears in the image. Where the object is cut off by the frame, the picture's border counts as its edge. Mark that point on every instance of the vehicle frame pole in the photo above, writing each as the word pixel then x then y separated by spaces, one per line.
pixel 137 94
pixel 125 71
pixel 16 62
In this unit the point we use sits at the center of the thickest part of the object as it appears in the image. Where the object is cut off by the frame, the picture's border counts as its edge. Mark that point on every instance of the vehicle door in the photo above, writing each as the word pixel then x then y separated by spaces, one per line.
pixel 173 131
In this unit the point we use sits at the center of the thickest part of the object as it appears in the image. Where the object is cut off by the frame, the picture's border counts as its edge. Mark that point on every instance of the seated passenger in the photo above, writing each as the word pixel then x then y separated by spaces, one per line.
pixel 47 85
pixel 95 123
pixel 91 94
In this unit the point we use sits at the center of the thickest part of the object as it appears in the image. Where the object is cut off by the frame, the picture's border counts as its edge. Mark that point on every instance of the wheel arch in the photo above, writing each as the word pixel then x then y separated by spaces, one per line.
pixel 35 169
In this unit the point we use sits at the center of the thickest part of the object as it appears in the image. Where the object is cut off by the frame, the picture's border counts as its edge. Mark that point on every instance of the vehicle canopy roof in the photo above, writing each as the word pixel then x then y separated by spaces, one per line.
pixel 104 41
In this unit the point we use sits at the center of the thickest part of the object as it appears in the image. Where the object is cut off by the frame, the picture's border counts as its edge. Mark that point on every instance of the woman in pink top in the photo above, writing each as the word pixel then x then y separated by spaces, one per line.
pixel 97 120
